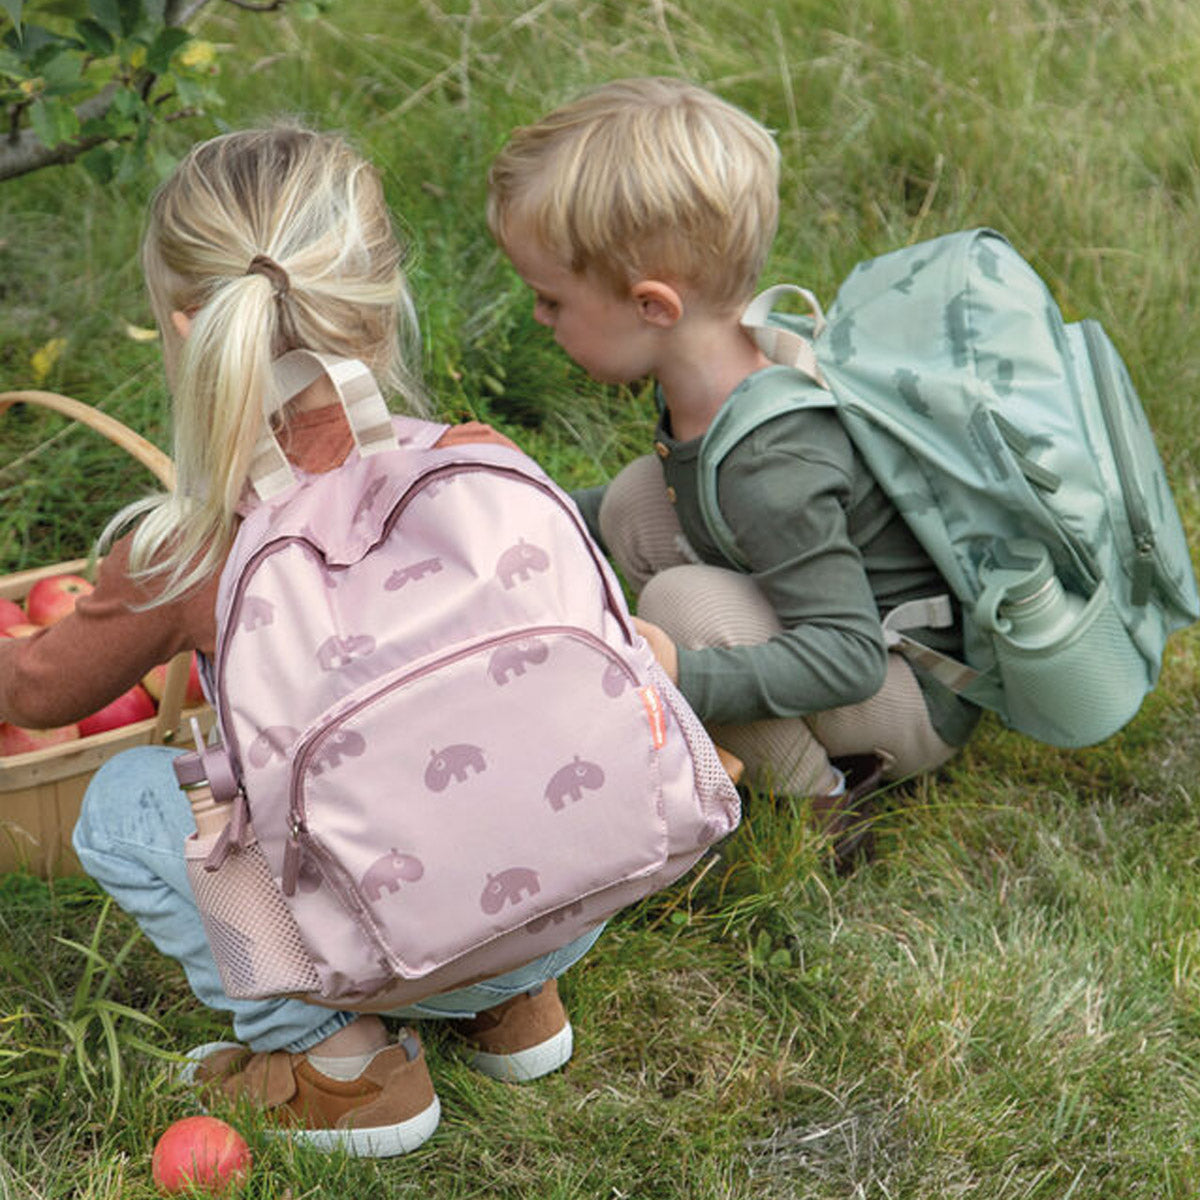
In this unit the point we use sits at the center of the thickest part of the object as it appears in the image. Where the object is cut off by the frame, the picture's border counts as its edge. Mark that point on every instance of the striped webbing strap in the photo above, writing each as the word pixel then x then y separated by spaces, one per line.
pixel 931 612
pixel 357 392
pixel 782 345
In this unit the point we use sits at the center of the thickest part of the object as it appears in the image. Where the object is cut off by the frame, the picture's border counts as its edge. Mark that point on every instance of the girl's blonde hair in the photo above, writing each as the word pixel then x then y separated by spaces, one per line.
pixel 333 282
pixel 644 178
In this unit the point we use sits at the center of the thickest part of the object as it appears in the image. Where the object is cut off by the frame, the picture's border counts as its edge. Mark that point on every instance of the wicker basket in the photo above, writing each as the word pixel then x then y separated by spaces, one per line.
pixel 40 792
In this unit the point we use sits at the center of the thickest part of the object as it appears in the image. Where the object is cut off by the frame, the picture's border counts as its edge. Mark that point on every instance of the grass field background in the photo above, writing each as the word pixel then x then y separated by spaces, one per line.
pixel 1006 1004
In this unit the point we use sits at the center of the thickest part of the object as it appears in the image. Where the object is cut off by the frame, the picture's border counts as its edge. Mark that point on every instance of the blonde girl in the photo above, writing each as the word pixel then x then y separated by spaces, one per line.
pixel 261 242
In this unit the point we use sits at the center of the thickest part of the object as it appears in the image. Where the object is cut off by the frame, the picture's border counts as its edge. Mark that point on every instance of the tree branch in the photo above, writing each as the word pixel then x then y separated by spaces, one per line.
pixel 22 151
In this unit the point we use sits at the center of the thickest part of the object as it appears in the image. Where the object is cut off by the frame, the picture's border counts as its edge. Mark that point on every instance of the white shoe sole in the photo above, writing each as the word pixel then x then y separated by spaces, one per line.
pixel 379 1141
pixel 522 1066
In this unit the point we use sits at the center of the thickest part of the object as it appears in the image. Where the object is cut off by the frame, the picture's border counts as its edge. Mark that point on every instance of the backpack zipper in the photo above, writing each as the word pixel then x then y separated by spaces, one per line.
pixel 398 507
pixel 1144 568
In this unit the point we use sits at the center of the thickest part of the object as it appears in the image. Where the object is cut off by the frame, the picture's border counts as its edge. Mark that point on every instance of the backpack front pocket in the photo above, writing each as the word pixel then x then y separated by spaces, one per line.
pixel 521 776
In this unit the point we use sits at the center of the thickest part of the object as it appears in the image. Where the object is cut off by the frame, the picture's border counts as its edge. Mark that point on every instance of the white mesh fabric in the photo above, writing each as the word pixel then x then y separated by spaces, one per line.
pixel 254 938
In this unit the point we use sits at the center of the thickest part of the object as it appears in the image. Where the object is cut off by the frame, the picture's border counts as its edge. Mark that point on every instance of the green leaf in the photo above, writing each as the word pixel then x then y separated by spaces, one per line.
pixel 108 14
pixel 63 73
pixel 132 14
pixel 54 121
pixel 13 8
pixel 95 37
pixel 163 48
pixel 98 162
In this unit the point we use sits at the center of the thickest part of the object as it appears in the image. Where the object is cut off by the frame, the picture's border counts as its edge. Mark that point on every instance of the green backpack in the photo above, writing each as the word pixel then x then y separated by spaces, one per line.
pixel 1017 450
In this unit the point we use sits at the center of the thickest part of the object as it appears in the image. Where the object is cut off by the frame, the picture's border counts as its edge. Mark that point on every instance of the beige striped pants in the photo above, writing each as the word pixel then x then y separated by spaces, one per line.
pixel 699 605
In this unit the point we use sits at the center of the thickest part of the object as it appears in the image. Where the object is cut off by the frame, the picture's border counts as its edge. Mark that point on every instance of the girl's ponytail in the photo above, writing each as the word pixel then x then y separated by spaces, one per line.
pixel 262 242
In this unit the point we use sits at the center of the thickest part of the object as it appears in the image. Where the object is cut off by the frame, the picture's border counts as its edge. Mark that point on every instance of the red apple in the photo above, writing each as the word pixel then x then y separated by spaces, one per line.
pixel 11 613
pixel 130 706
pixel 14 739
pixel 51 598
pixel 155 682
pixel 20 630
pixel 199 1154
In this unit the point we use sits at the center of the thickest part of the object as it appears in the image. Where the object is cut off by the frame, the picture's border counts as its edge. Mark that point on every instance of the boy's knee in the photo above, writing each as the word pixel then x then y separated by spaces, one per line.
pixel 625 498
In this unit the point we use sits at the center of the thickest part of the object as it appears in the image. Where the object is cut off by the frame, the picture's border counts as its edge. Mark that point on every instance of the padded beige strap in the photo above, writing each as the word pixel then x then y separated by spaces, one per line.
pixel 360 398
pixel 785 345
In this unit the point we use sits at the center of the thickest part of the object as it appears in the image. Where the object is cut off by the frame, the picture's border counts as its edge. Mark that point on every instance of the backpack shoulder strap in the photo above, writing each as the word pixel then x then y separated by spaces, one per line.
pixel 357 392
pixel 765 395
pixel 781 339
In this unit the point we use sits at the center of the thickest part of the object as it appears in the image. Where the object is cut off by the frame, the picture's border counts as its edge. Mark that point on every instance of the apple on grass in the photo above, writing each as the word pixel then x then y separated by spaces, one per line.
pixel 136 704
pixel 155 682
pixel 14 739
pixel 53 597
pixel 11 613
pixel 200 1154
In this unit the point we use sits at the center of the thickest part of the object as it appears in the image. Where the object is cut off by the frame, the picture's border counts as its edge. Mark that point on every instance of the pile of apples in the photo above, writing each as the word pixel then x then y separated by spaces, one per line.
pixel 49 600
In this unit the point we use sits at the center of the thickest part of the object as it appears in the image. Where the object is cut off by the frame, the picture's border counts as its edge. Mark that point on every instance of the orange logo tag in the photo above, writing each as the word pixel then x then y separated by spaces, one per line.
pixel 655 715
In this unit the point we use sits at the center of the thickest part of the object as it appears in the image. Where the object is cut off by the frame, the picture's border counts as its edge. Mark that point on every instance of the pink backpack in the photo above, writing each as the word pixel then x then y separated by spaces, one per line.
pixel 447 751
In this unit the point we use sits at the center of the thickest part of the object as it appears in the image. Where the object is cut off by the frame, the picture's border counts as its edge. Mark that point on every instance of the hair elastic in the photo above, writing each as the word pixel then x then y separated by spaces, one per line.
pixel 263 264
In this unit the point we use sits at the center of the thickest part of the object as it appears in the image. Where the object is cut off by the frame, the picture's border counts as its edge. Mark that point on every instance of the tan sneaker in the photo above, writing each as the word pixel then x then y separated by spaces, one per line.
pixel 391 1108
pixel 522 1039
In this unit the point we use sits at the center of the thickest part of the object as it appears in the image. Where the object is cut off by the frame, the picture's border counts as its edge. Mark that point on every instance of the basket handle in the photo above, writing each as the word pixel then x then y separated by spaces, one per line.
pixel 161 466
pixel 148 454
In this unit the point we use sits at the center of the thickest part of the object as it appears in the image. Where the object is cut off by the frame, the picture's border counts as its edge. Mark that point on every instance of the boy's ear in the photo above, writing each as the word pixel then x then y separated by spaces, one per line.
pixel 181 322
pixel 658 303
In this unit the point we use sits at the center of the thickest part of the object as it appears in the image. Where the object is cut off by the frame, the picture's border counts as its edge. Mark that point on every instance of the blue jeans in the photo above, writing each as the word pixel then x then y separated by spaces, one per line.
pixel 129 838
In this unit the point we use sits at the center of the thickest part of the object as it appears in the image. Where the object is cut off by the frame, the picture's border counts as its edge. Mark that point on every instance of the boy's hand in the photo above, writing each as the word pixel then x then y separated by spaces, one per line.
pixel 663 647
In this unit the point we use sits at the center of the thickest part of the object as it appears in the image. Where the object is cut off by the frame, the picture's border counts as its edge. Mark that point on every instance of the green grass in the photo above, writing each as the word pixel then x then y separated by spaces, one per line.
pixel 1006 1004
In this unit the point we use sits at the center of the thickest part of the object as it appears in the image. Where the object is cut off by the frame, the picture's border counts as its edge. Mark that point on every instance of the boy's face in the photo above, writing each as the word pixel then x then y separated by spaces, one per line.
pixel 597 327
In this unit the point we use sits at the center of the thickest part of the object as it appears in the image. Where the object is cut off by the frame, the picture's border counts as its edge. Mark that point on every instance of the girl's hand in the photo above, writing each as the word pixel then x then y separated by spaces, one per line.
pixel 663 647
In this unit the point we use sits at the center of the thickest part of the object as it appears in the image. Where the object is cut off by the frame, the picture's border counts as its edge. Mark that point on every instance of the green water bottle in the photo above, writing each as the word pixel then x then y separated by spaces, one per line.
pixel 1023 599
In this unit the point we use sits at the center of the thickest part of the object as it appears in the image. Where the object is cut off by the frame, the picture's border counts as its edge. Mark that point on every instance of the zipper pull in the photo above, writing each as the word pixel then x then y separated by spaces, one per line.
pixel 1143 571
pixel 293 852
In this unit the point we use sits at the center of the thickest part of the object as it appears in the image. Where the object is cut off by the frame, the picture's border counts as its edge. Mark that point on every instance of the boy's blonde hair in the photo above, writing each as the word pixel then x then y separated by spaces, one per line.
pixel 309 204
pixel 644 178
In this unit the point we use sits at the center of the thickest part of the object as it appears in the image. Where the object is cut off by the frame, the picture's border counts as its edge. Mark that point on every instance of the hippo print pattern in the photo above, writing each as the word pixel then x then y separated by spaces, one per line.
pixel 512 885
pixel 518 562
pixel 511 659
pixel 256 613
pixel 388 872
pixel 345 743
pixel 272 742
pixel 453 763
pixel 570 781
pixel 412 573
pixel 337 652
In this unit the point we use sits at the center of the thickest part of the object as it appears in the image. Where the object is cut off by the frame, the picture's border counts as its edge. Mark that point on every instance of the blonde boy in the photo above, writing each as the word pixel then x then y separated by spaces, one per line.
pixel 641 215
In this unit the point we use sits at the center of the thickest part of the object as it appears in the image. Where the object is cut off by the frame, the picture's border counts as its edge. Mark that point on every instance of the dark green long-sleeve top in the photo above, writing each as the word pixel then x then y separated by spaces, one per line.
pixel 832 555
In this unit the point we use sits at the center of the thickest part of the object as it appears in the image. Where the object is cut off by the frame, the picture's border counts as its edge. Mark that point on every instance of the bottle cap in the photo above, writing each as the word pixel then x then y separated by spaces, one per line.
pixel 1026 565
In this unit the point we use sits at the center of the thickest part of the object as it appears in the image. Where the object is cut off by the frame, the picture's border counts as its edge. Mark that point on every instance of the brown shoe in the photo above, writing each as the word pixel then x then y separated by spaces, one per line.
pixel 846 818
pixel 522 1039
pixel 391 1108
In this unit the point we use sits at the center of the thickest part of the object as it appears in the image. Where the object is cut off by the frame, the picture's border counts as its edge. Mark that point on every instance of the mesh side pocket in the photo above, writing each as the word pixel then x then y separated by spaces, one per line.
pixel 254 938
pixel 717 795
pixel 1080 689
